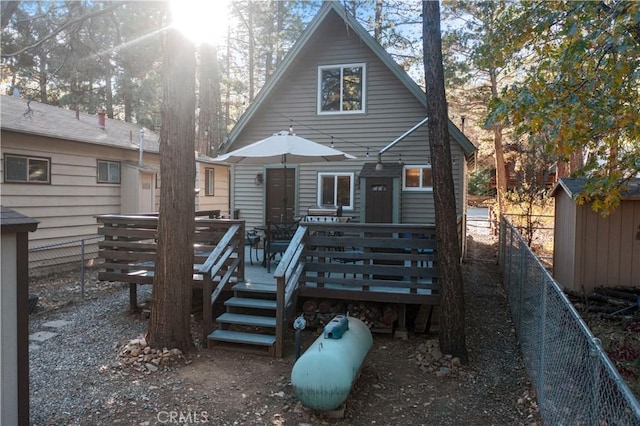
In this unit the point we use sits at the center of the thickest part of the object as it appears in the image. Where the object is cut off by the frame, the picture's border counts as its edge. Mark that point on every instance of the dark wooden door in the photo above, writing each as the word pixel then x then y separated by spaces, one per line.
pixel 277 198
pixel 379 204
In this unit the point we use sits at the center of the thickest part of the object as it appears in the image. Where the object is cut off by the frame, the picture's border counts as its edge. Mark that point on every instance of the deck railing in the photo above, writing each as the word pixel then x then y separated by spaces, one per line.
pixel 129 250
pixel 392 263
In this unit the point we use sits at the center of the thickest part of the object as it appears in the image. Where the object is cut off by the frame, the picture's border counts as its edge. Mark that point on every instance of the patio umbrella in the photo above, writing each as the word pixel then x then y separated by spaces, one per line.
pixel 283 147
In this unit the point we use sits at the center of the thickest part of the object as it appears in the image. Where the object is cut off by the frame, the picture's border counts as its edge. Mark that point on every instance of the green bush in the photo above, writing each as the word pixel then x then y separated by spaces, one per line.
pixel 479 182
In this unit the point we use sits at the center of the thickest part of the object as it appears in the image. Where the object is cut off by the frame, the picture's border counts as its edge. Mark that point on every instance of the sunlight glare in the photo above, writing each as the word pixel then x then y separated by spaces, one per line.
pixel 202 21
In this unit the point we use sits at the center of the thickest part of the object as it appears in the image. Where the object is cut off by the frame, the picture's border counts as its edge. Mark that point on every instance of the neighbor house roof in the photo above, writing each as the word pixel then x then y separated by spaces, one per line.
pixel 30 117
pixel 574 186
pixel 308 35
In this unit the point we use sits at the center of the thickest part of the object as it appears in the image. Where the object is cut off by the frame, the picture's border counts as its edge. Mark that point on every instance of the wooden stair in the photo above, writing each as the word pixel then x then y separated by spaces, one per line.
pixel 249 323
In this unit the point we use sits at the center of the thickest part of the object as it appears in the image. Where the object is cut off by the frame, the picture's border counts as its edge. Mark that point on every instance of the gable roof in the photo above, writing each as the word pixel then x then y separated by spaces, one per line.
pixel 574 186
pixel 35 118
pixel 328 7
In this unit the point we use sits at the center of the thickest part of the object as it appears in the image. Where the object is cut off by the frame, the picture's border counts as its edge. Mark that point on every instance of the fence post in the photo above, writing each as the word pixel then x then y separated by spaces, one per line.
pixel 543 350
pixel 82 269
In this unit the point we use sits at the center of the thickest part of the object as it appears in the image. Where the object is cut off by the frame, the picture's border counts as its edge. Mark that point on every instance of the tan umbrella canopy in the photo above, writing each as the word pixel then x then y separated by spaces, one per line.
pixel 283 147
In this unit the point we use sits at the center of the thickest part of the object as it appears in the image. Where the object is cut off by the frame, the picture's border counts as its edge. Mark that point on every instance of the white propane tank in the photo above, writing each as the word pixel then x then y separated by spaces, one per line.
pixel 323 376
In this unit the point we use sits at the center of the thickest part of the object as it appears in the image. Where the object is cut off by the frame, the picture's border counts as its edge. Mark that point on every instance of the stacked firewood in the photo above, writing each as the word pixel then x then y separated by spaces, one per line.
pixel 609 301
pixel 376 316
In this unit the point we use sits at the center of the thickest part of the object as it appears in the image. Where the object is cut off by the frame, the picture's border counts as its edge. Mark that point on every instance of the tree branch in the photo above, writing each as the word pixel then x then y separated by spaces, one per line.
pixel 63 27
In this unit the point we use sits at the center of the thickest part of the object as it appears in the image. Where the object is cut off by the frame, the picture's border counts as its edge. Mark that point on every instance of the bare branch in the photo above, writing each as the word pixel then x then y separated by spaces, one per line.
pixel 62 27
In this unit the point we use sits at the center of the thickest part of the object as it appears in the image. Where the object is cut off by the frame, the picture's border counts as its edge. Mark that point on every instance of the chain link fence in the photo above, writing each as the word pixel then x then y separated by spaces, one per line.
pixel 575 380
pixel 71 258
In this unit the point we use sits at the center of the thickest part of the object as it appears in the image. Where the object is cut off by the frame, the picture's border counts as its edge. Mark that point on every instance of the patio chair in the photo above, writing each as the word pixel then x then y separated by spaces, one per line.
pixel 253 241
pixel 278 235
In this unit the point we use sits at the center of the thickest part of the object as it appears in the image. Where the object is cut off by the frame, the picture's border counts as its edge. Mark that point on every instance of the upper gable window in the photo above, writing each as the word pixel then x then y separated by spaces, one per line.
pixel 341 89
pixel 23 169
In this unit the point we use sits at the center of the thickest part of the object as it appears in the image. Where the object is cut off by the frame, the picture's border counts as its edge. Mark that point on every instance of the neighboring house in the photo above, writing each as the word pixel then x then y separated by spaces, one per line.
pixel 63 168
pixel 594 251
pixel 337 86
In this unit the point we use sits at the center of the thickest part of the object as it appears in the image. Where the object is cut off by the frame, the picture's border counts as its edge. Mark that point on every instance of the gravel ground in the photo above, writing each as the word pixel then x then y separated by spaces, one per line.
pixel 77 377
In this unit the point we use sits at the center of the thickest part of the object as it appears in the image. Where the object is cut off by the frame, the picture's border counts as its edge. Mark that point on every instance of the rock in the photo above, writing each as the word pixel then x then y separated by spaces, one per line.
pixel 280 394
pixel 150 367
pixel 455 362
pixel 443 372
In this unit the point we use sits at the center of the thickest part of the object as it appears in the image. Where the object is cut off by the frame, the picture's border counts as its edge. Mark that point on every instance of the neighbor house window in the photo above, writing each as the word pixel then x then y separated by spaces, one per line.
pixel 341 88
pixel 417 178
pixel 22 169
pixel 108 171
pixel 336 189
pixel 209 181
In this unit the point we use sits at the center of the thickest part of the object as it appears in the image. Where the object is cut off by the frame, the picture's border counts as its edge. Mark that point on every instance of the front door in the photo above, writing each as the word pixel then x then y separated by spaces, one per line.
pixel 379 204
pixel 147 196
pixel 276 196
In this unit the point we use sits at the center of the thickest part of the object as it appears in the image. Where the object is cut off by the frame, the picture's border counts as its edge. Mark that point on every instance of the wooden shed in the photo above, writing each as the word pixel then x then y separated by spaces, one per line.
pixel 594 251
pixel 14 316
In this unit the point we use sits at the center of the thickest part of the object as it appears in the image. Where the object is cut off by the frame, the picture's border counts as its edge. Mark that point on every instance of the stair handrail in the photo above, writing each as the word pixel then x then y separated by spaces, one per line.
pixel 287 275
pixel 211 268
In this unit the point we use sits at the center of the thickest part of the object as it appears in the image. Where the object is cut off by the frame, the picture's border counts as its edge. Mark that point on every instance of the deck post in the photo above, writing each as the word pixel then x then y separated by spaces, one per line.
pixel 280 323
pixel 207 313
pixel 133 297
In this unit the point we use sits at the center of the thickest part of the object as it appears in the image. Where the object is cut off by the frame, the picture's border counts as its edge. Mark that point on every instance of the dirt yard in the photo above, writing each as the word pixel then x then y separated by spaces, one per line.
pixel 402 382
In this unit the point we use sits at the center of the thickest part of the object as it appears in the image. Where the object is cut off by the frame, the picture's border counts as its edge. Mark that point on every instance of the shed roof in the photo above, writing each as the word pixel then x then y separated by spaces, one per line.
pixel 308 35
pixel 12 221
pixel 30 117
pixel 574 186
pixel 389 170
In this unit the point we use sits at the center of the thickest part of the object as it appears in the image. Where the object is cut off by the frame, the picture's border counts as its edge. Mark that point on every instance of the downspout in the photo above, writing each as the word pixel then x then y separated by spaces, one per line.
pixel 141 142
pixel 398 139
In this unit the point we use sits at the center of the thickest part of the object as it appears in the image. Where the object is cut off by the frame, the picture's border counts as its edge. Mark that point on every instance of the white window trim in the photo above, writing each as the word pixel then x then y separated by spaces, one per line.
pixel 342 67
pixel 108 182
pixel 336 174
pixel 411 188
pixel 27 157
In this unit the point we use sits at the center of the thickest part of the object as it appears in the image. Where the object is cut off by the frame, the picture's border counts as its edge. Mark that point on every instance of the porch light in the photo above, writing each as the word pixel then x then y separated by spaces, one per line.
pixel 258 179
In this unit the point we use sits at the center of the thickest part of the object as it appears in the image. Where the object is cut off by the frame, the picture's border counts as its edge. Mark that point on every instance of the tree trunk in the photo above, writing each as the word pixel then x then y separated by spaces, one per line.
pixel 377 22
pixel 252 53
pixel 108 85
pixel 452 334
pixel 170 324
pixel 501 172
pixel 209 127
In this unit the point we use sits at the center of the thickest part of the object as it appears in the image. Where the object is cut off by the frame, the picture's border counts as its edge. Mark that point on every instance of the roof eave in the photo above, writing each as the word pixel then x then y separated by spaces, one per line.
pixel 79 140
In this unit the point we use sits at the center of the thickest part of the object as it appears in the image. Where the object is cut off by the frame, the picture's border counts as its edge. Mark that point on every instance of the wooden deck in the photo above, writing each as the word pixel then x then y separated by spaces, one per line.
pixel 391 263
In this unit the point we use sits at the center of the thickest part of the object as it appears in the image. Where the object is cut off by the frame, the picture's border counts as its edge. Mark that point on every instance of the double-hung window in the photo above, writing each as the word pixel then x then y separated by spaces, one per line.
pixel 336 189
pixel 341 88
pixel 108 171
pixel 209 182
pixel 25 169
pixel 417 178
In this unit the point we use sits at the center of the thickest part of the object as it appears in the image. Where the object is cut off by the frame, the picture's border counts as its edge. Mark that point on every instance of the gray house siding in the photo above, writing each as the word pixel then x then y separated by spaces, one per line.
pixel 390 110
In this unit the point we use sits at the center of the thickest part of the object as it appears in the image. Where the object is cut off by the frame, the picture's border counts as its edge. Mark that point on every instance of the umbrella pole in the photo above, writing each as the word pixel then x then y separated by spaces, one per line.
pixel 284 200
